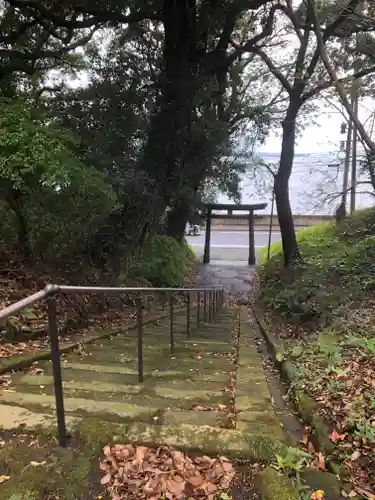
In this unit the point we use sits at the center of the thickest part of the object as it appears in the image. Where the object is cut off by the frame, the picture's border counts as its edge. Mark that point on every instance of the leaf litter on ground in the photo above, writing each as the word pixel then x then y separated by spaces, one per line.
pixel 344 389
pixel 135 472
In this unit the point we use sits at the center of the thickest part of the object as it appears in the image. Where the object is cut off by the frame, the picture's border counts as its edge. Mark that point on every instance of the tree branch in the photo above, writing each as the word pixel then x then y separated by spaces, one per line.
pixel 328 32
pixel 337 83
pixel 275 71
pixel 329 83
pixel 96 15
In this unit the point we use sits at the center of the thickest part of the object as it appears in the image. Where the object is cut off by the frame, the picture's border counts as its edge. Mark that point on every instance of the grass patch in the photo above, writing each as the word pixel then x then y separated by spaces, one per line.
pixel 337 267
pixel 39 469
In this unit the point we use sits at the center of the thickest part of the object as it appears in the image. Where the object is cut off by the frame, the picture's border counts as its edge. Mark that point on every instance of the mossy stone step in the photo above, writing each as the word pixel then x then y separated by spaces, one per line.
pixel 42 381
pixel 98 368
pixel 204 439
pixel 211 418
pixel 185 400
pixel 183 362
pixel 146 396
pixel 191 395
pixel 103 409
pixel 247 403
pixel 264 422
pixel 213 386
pixel 173 379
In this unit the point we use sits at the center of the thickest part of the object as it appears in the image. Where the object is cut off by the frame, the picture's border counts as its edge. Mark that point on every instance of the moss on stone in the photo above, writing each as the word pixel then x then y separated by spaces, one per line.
pixel 319 480
pixel 111 410
pixel 209 440
pixel 211 418
pixel 191 395
pixel 261 401
pixel 307 408
pixel 276 486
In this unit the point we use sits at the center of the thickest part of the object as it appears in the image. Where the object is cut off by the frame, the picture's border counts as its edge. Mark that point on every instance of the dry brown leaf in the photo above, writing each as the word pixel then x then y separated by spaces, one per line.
pixel 335 436
pixel 321 461
pixel 106 479
pixel 176 486
pixel 3 479
pixel 366 493
pixel 355 455
pixel 196 480
pixel 107 451
pixel 222 407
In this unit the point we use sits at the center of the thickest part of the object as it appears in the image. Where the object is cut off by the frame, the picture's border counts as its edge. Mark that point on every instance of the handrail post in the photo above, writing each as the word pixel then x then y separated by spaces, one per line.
pixel 171 313
pixel 198 307
pixel 138 303
pixel 215 303
pixel 188 315
pixel 210 305
pixel 205 306
pixel 56 366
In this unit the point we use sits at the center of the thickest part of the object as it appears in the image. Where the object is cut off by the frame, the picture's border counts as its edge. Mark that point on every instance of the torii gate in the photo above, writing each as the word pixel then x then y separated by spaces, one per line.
pixel 229 215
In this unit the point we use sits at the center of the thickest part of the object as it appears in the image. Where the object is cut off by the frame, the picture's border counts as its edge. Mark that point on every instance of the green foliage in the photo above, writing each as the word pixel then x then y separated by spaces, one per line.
pixel 337 266
pixel 61 223
pixel 32 151
pixel 328 344
pixel 294 459
pixel 164 262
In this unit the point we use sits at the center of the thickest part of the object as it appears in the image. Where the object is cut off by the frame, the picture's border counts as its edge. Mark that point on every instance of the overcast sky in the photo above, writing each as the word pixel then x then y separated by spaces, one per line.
pixel 325 136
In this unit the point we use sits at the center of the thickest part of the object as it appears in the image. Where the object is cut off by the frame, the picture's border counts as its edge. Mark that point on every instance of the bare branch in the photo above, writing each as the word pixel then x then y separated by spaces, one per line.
pixel 274 70
pixel 328 32
pixel 329 83
pixel 337 83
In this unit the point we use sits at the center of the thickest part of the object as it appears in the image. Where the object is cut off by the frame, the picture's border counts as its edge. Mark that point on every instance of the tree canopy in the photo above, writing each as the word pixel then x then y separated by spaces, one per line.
pixel 159 104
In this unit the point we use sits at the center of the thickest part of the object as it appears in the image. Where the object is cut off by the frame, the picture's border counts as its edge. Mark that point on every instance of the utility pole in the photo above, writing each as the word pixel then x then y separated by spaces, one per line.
pixel 346 165
pixel 354 151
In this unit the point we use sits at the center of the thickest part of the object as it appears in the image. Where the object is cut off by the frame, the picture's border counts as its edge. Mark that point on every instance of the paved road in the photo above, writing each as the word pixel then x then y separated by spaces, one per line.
pixel 230 246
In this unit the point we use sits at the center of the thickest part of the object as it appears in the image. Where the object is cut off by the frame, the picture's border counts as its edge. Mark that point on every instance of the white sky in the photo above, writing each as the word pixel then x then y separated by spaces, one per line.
pixel 325 135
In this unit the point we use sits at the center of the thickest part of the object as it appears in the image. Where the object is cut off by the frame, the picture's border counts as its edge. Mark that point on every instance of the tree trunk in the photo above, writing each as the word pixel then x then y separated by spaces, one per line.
pixel 177 219
pixel 169 132
pixel 15 203
pixel 284 211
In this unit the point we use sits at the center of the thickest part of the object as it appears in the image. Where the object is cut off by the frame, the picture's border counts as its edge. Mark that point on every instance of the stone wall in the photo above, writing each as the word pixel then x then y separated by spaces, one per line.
pixel 262 222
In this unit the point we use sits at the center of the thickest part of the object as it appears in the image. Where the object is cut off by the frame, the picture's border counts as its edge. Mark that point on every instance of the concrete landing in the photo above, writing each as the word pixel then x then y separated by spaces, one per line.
pixel 235 277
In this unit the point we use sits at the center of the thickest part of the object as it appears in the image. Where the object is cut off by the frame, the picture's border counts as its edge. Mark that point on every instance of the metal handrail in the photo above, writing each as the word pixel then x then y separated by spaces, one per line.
pixel 55 289
pixel 212 300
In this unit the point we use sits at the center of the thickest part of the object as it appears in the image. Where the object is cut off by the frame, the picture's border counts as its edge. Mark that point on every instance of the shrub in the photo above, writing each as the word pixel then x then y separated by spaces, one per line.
pixel 164 262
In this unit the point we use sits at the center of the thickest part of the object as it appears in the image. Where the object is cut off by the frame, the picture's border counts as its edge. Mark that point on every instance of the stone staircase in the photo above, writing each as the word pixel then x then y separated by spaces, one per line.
pixel 210 392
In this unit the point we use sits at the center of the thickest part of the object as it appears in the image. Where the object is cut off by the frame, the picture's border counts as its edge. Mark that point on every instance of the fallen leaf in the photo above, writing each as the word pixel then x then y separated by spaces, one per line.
pixel 355 455
pixel 222 407
pixel 3 479
pixel 317 495
pixel 105 479
pixel 335 436
pixel 37 464
pixel 321 462
pixel 305 438
pixel 107 451
pixel 366 493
